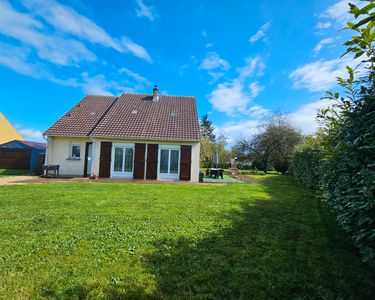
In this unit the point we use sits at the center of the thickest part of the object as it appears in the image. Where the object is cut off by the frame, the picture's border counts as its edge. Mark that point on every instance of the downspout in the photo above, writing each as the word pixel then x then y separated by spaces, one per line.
pixel 47 149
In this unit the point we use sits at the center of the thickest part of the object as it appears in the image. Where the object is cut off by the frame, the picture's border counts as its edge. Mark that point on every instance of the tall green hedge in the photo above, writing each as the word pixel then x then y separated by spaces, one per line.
pixel 307 163
pixel 341 164
pixel 348 176
pixel 344 169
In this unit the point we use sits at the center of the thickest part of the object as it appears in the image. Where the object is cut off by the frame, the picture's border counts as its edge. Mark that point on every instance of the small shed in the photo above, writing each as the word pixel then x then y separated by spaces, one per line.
pixel 15 153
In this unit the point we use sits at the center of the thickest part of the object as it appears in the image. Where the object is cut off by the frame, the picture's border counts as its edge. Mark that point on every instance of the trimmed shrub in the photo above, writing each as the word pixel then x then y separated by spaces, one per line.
pixel 348 175
pixel 307 163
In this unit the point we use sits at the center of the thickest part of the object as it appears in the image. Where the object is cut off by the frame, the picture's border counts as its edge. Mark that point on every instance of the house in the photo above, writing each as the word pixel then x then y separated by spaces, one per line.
pixel 7 131
pixel 18 154
pixel 140 136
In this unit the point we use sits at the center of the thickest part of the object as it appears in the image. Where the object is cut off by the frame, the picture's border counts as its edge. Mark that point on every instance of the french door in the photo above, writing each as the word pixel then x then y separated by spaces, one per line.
pixel 122 160
pixel 169 162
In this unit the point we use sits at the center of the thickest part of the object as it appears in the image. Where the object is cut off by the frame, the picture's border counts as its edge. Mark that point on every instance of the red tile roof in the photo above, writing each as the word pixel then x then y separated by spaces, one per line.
pixel 131 116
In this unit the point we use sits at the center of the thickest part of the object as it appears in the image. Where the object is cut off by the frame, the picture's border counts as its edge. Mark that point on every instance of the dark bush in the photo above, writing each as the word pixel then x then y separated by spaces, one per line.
pixel 348 175
pixel 307 163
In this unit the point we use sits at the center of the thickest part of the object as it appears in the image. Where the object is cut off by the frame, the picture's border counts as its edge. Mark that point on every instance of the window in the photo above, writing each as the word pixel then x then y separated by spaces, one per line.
pixel 164 160
pixel 128 160
pixel 123 160
pixel 75 151
pixel 119 158
pixel 169 162
pixel 174 162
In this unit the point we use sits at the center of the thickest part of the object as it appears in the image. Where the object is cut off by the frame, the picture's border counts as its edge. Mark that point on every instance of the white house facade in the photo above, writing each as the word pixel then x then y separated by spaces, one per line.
pixel 134 136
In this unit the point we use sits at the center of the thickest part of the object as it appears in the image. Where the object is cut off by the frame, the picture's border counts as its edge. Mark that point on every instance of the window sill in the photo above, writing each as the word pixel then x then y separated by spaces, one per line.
pixel 72 158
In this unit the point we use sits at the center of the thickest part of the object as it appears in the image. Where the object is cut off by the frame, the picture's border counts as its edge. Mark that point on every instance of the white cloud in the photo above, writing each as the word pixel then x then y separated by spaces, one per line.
pixel 255 89
pixel 305 117
pixel 214 61
pixel 66 20
pixel 144 10
pixel 204 33
pixel 339 11
pixel 215 76
pixel 136 50
pixel 14 58
pixel 323 25
pixel 253 65
pixel 231 97
pixel 258 111
pixel 98 85
pixel 321 44
pixel 320 75
pixel 32 135
pixel 181 69
pixel 239 129
pixel 209 45
pixel 261 33
pixel 134 75
pixel 51 48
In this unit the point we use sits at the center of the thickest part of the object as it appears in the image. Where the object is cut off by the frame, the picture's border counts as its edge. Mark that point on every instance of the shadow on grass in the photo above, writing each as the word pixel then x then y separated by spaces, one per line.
pixel 287 247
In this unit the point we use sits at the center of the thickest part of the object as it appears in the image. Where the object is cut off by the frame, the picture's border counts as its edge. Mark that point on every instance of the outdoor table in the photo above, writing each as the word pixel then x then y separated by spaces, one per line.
pixel 54 168
pixel 216 173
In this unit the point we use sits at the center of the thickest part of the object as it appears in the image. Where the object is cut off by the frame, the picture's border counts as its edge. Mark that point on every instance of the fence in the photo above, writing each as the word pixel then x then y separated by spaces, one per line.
pixel 12 158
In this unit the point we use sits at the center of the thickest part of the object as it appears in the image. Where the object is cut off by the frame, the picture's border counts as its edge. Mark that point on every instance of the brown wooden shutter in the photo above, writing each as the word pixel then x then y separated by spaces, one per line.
pixel 105 159
pixel 185 162
pixel 139 161
pixel 152 161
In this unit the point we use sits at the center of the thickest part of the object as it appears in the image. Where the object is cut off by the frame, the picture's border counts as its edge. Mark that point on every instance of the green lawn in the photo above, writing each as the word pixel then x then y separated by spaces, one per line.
pixel 270 240
pixel 226 179
pixel 12 172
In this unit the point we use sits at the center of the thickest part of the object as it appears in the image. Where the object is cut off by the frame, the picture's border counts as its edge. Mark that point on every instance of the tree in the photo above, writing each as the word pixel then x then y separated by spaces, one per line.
pixel 207 152
pixel 207 129
pixel 223 153
pixel 273 145
pixel 286 138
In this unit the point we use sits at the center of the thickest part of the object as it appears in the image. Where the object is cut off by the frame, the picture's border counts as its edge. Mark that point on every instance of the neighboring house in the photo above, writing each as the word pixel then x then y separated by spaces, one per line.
pixel 140 136
pixel 7 131
pixel 22 155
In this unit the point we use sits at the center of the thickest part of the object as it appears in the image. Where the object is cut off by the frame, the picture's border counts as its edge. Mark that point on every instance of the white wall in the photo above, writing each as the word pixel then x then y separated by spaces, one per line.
pixel 195 156
pixel 59 151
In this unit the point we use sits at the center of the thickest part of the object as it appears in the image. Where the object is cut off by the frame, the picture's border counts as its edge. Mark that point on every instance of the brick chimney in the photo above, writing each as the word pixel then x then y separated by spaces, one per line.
pixel 155 97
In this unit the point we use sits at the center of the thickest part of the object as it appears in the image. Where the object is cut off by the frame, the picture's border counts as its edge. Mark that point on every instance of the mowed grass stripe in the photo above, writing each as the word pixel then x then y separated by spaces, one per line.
pixel 121 240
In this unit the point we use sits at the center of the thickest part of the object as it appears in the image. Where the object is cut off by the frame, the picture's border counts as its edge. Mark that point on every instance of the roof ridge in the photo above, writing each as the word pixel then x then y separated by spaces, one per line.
pixel 64 114
pixel 92 95
pixel 101 118
pixel 183 96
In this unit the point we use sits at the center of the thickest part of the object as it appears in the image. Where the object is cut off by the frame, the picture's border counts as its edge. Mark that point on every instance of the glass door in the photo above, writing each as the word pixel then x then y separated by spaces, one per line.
pixel 122 160
pixel 169 162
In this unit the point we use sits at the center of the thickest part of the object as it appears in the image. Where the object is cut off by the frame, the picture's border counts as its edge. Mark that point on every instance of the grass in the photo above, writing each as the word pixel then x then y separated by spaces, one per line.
pixel 13 172
pixel 226 179
pixel 106 240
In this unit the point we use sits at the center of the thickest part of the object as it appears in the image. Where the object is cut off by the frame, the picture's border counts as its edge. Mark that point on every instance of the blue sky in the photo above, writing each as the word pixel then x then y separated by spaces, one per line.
pixel 240 59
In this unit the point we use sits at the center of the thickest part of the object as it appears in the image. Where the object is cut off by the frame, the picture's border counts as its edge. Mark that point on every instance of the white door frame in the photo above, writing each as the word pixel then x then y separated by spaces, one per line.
pixel 169 176
pixel 128 175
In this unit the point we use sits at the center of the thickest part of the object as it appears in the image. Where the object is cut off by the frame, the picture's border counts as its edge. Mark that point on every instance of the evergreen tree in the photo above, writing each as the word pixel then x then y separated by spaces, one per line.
pixel 207 129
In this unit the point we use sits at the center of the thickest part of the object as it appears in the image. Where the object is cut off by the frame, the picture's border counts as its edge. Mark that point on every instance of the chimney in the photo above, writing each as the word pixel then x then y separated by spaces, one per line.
pixel 155 97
